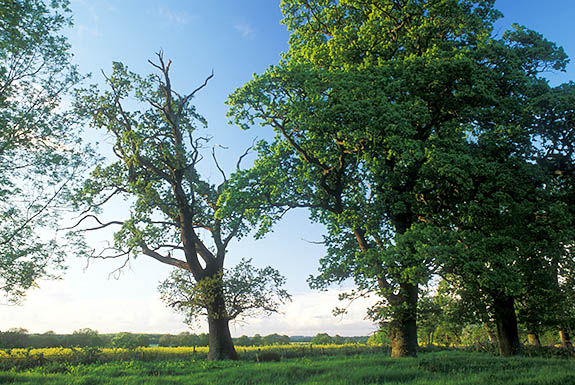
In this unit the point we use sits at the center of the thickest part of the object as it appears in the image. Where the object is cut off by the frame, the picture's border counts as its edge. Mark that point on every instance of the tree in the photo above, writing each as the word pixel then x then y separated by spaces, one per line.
pixel 130 341
pixel 174 213
pixel 322 339
pixel 248 292
pixel 40 152
pixel 391 118
pixel 555 112
pixel 363 105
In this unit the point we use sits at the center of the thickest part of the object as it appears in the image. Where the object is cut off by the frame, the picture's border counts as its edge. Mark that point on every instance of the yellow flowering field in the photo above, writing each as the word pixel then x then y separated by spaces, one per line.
pixel 35 357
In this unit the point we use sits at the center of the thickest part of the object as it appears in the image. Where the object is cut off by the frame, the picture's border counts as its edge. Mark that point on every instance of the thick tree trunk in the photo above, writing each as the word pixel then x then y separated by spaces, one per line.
pixel 403 328
pixel 506 321
pixel 220 338
pixel 565 339
pixel 533 339
pixel 221 344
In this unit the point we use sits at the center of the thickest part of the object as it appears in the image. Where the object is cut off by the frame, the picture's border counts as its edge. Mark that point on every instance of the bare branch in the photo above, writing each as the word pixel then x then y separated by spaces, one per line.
pixel 102 224
pixel 217 164
pixel 246 152
pixel 167 260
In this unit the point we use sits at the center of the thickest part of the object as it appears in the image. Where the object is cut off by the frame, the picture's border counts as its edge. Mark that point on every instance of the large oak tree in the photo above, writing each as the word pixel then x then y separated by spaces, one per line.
pixel 391 117
pixel 175 215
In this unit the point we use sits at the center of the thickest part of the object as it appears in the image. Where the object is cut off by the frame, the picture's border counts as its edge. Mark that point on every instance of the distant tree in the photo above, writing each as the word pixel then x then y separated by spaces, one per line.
pixel 275 339
pixel 187 339
pixel 167 340
pixel 204 339
pixel 378 338
pixel 14 338
pixel 322 339
pixel 86 337
pixel 248 292
pixel 40 152
pixel 338 340
pixel 129 340
pixel 257 340
pixel 243 341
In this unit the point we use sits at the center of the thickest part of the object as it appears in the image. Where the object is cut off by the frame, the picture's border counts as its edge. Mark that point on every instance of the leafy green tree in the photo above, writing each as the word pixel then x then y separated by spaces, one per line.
pixel 168 340
pixel 322 339
pixel 243 341
pixel 40 154
pixel 257 340
pixel 175 216
pixel 130 341
pixel 365 105
pixel 397 123
pixel 379 338
pixel 87 337
pixel 248 292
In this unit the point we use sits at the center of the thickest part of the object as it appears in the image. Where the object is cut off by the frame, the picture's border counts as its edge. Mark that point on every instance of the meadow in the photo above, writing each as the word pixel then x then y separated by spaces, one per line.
pixel 359 364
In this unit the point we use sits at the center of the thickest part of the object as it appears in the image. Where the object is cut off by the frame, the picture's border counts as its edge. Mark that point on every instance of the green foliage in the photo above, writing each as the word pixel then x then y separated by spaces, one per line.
pixel 41 156
pixel 129 340
pixel 248 292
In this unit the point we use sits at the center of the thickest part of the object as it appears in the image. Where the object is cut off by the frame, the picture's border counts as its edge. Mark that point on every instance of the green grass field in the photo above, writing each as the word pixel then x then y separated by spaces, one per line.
pixel 449 368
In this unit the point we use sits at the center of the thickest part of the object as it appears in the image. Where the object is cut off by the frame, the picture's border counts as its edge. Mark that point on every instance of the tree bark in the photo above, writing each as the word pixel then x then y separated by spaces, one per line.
pixel 220 338
pixel 533 339
pixel 565 339
pixel 403 327
pixel 506 321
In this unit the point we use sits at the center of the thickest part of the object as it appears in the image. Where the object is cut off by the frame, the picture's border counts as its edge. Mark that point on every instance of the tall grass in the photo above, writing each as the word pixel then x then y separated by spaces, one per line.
pixel 444 368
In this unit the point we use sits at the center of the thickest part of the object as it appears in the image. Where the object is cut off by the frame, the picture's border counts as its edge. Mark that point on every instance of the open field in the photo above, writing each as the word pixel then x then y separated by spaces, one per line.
pixel 446 368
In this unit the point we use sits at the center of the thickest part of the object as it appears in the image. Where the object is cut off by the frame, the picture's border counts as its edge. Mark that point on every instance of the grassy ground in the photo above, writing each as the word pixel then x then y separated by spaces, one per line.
pixel 445 368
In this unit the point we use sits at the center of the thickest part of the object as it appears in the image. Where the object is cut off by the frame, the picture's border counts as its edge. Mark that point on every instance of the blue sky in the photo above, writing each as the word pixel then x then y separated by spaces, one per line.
pixel 235 39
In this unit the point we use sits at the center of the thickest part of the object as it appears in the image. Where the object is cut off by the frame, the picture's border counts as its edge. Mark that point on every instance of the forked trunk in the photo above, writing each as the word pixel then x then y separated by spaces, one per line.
pixel 565 339
pixel 220 338
pixel 403 328
pixel 533 339
pixel 506 321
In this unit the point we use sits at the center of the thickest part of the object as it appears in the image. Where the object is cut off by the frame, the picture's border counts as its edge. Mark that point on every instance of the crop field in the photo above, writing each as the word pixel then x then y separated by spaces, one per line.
pixel 342 366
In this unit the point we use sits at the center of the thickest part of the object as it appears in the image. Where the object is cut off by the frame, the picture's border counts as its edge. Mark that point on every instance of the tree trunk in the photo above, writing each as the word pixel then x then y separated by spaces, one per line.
pixel 565 339
pixel 220 338
pixel 506 321
pixel 403 328
pixel 533 339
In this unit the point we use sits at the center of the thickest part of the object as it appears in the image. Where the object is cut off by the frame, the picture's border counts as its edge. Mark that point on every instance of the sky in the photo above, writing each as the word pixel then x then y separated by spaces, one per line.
pixel 235 39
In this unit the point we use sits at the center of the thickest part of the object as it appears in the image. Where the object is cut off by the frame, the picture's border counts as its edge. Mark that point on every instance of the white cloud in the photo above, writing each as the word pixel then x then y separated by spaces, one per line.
pixel 58 306
pixel 245 30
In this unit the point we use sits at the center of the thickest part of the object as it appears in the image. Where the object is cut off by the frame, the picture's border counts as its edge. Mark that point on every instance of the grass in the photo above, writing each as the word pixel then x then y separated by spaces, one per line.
pixel 442 368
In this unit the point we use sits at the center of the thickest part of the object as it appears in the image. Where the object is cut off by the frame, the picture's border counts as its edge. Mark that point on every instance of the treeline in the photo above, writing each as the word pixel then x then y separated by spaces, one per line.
pixel 20 338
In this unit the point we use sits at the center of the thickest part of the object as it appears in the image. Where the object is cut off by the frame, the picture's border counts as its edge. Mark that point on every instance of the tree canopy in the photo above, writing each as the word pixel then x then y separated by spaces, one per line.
pixel 40 152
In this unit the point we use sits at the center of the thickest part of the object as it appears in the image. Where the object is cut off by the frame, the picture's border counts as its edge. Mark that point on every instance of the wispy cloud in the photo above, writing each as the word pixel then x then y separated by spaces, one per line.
pixel 246 30
pixel 173 16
